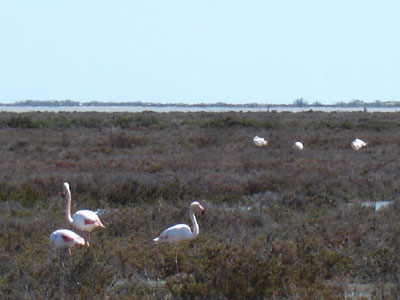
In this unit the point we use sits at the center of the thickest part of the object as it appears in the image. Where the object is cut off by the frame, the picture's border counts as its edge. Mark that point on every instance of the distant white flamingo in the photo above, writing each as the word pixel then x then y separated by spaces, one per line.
pixel 85 220
pixel 258 141
pixel 180 232
pixel 357 144
pixel 298 146
pixel 64 238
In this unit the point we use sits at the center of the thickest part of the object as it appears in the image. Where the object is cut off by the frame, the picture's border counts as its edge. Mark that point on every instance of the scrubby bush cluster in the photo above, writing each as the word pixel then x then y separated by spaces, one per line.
pixel 279 224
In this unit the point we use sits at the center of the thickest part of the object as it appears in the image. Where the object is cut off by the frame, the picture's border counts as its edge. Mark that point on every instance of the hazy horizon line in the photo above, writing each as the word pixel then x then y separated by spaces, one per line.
pixel 298 102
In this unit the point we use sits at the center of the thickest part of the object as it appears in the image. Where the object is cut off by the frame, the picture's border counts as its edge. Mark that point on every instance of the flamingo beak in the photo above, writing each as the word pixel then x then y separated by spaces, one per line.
pixel 202 209
pixel 63 193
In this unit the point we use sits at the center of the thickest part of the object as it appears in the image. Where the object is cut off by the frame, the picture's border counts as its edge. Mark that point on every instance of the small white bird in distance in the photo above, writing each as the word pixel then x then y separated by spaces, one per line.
pixel 357 144
pixel 298 146
pixel 259 142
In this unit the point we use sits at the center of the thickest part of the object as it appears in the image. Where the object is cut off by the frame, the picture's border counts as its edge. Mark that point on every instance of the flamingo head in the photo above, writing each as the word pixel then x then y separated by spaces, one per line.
pixel 198 205
pixel 65 188
pixel 79 240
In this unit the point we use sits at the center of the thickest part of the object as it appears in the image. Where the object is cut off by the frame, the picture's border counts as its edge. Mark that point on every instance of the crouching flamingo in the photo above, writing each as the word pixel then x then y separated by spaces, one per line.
pixel 357 144
pixel 298 146
pixel 259 141
pixel 180 232
pixel 84 220
pixel 64 238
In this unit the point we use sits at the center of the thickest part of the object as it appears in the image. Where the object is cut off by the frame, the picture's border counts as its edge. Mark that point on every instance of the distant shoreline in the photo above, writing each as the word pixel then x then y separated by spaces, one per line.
pixel 298 104
pixel 166 109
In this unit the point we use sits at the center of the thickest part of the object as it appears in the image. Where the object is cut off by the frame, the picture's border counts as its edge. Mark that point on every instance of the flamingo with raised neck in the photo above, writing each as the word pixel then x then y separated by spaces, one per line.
pixel 180 232
pixel 84 220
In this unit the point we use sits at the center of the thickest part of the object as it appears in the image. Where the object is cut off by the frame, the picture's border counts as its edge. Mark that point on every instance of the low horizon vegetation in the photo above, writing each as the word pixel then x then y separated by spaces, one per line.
pixel 279 223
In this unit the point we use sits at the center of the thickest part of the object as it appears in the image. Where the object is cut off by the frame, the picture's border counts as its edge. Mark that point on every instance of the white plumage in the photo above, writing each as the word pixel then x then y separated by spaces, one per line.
pixel 85 220
pixel 298 146
pixel 175 234
pixel 357 144
pixel 180 232
pixel 259 141
pixel 64 238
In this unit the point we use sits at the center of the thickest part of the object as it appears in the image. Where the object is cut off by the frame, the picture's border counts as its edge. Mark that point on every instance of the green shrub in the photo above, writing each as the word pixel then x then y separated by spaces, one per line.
pixel 228 121
pixel 379 125
pixel 148 121
pixel 278 223
pixel 126 140
pixel 124 122
pixel 271 124
pixel 21 122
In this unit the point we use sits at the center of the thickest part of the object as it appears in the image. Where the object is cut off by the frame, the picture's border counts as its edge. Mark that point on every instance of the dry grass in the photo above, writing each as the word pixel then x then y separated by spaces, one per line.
pixel 278 222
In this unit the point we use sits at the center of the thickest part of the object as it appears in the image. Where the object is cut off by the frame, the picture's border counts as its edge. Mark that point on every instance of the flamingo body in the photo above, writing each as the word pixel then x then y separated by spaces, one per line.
pixel 180 232
pixel 357 144
pixel 259 142
pixel 85 220
pixel 64 238
pixel 298 146
pixel 174 234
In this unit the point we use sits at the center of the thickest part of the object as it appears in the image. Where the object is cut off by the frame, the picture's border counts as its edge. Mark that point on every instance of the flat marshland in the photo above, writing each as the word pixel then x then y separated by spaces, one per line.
pixel 279 223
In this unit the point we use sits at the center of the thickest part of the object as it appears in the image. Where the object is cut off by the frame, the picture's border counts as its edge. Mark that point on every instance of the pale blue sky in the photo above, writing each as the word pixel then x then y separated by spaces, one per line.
pixel 200 51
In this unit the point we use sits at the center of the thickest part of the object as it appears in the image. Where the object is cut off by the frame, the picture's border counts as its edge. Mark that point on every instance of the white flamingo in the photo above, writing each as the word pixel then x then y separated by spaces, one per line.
pixel 180 232
pixel 259 141
pixel 298 146
pixel 85 220
pixel 357 144
pixel 64 238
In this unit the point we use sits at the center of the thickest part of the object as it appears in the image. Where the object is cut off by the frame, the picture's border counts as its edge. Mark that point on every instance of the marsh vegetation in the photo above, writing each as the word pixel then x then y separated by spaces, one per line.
pixel 279 223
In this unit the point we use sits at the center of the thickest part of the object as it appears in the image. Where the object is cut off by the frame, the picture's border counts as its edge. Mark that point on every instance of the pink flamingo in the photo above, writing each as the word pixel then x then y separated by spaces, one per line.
pixel 180 232
pixel 85 220
pixel 64 238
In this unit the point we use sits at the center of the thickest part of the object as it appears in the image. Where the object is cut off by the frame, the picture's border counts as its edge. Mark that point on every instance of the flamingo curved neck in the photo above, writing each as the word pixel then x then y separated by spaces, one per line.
pixel 68 208
pixel 195 225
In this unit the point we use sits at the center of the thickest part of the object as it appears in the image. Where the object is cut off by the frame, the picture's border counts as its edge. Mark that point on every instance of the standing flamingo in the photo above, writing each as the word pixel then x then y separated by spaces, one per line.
pixel 85 220
pixel 64 238
pixel 180 232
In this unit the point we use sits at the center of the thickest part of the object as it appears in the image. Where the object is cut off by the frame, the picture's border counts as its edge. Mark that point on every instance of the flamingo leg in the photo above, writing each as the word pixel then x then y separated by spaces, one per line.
pixel 86 237
pixel 176 259
pixel 69 250
pixel 157 268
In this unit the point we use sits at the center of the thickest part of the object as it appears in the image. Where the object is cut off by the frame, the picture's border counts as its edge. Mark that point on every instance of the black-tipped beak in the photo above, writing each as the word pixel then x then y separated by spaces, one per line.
pixel 63 194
